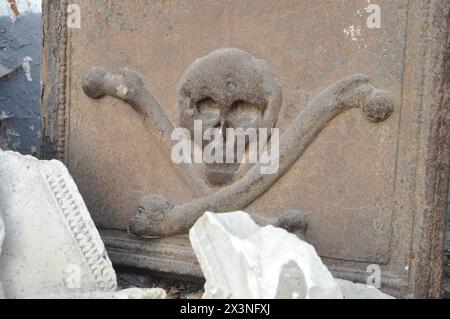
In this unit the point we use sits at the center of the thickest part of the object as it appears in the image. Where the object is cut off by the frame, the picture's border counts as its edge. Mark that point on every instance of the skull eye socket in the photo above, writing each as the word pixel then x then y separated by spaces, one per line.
pixel 243 114
pixel 208 109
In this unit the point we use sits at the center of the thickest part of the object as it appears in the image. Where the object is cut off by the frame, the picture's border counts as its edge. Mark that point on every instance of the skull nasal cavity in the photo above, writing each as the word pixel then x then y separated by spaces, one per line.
pixel 237 104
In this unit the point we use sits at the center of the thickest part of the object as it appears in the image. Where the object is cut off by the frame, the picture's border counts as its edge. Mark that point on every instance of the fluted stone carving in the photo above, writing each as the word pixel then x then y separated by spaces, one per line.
pixel 52 245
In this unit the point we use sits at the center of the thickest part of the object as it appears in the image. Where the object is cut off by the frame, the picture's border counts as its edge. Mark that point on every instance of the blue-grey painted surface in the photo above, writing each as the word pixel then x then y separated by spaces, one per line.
pixel 20 98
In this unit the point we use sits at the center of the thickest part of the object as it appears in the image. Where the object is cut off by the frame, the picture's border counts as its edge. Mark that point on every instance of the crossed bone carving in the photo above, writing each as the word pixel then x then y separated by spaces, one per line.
pixel 236 76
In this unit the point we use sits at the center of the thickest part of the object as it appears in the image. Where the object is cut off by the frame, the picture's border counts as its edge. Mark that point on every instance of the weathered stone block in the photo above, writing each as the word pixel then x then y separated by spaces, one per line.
pixel 52 245
pixel 370 173
pixel 241 260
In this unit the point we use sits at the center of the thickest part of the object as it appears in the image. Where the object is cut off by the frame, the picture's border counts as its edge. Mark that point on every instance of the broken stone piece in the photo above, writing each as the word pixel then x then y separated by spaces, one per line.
pixel 132 293
pixel 242 260
pixel 52 245
pixel 352 290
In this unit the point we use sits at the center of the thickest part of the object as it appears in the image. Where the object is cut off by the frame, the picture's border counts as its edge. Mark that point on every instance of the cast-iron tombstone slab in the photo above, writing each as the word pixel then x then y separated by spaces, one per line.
pixel 371 181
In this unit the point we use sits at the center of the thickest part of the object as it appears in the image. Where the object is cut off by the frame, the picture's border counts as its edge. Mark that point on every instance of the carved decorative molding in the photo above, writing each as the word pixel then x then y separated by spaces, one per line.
pixel 54 72
pixel 94 255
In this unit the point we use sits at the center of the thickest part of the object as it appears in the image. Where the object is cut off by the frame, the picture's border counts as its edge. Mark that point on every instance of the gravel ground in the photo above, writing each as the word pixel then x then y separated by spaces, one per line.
pixel 182 289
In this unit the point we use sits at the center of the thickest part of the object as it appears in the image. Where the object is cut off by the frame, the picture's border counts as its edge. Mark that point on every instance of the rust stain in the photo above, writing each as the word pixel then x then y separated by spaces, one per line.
pixel 13 5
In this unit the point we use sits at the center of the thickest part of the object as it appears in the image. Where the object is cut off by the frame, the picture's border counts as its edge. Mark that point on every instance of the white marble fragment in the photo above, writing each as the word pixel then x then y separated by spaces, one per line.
pixel 352 290
pixel 52 245
pixel 243 260
pixel 132 293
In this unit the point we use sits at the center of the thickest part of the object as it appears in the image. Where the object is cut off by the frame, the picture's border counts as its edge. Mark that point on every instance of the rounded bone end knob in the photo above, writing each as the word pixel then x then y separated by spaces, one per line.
pixel 149 219
pixel 93 83
pixel 379 105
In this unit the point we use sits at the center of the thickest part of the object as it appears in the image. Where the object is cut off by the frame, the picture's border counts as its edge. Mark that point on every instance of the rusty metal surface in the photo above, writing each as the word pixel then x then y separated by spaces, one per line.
pixel 371 192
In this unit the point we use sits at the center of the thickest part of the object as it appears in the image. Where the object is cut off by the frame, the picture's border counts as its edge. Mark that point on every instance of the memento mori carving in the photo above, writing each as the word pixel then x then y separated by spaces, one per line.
pixel 234 86
pixel 228 89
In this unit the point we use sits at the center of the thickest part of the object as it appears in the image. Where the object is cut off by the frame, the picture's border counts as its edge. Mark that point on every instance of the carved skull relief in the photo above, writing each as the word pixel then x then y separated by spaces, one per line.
pixel 228 88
